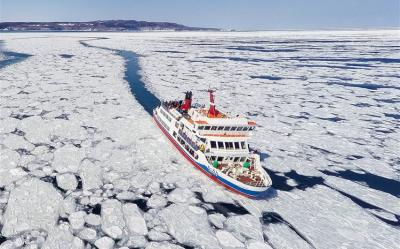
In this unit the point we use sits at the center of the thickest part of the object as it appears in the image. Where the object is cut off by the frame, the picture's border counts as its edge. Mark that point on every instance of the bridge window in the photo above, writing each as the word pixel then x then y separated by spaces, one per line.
pixel 252 128
pixel 242 159
pixel 233 128
pixel 227 128
pixel 240 129
pixel 221 145
pixel 213 128
pixel 229 145
pixel 213 144
pixel 220 159
pixel 220 128
pixel 236 159
pixel 237 147
pixel 201 127
pixel 245 128
pixel 207 128
pixel 243 145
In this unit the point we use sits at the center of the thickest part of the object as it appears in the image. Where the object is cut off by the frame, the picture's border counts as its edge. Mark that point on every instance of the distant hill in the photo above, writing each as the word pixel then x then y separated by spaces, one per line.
pixel 108 25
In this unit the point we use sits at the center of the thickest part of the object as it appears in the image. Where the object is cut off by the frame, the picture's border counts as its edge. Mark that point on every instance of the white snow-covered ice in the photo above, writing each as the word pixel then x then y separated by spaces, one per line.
pixel 83 165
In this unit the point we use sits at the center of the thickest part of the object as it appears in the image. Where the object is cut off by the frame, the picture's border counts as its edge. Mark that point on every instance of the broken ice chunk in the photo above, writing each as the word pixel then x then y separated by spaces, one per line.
pixel 134 219
pixel 33 205
pixel 189 226
pixel 112 219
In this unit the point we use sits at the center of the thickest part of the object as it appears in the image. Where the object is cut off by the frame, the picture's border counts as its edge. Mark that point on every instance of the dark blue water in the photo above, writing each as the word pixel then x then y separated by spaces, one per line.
pixel 377 182
pixel 328 66
pixel 238 59
pixel 66 56
pixel 280 182
pixel 390 101
pixel 12 57
pixel 266 77
pixel 223 208
pixel 260 49
pixel 358 65
pixel 369 86
pixel 170 51
pixel 275 218
pixel 392 115
pixel 335 59
pixel 333 119
pixel 138 88
pixel 368 206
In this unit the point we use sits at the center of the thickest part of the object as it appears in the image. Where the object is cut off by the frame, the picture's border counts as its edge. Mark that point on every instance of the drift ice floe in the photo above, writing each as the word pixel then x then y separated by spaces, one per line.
pixel 215 143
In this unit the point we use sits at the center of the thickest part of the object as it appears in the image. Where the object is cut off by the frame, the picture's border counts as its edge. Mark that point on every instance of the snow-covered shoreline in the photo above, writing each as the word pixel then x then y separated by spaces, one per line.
pixel 71 129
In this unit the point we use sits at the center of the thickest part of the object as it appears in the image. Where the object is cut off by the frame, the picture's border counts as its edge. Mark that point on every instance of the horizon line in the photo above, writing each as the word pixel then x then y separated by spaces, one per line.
pixel 222 29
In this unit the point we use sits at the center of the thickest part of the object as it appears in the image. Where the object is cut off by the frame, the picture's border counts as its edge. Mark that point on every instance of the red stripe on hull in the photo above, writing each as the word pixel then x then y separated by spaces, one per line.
pixel 195 164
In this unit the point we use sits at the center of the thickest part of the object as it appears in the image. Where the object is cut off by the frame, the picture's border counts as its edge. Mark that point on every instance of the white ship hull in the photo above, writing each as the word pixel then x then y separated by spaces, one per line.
pixel 201 163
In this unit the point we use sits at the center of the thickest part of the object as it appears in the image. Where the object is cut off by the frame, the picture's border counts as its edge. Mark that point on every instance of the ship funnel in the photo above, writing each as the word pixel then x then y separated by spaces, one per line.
pixel 212 111
pixel 188 101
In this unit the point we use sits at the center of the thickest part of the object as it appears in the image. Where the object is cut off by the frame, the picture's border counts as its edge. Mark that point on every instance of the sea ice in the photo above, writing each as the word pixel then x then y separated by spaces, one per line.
pixel 112 219
pixel 93 219
pixel 91 175
pixel 67 181
pixel 163 245
pixel 245 227
pixel 60 238
pixel 77 220
pixel 104 243
pixel 32 205
pixel 325 102
pixel 68 158
pixel 88 234
pixel 189 225
pixel 9 172
pixel 134 220
pixel 157 201
pixel 158 236
pixel 227 240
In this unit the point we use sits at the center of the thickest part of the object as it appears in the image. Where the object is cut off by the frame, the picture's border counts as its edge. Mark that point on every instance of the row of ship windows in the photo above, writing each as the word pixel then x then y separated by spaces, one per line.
pixel 165 115
pixel 226 128
pixel 228 145
pixel 163 124
pixel 185 145
pixel 234 159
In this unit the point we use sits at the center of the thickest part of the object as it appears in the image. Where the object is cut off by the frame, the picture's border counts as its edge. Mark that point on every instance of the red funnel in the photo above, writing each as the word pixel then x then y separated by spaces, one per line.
pixel 188 101
pixel 212 111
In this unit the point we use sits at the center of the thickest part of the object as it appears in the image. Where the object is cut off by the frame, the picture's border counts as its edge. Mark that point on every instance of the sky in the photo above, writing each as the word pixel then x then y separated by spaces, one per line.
pixel 226 14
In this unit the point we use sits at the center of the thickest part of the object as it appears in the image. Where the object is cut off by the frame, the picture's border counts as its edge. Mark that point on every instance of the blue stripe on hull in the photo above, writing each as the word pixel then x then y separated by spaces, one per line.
pixel 234 186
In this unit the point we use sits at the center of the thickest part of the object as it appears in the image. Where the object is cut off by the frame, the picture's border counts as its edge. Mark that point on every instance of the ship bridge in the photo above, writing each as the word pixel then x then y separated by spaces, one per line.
pixel 220 126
